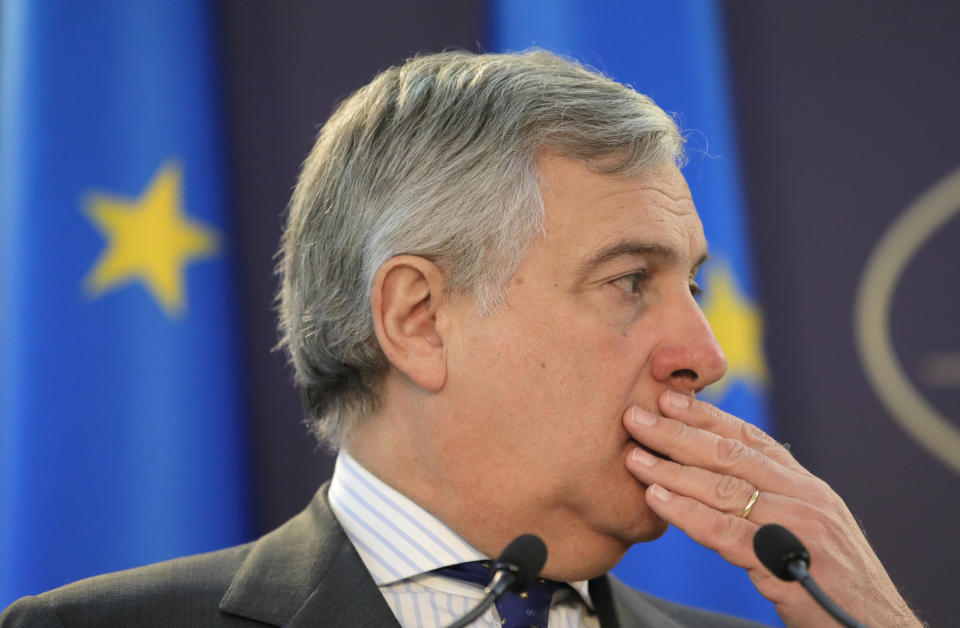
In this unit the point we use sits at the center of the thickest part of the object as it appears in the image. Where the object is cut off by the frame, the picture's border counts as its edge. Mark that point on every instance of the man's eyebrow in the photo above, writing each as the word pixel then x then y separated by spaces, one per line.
pixel 633 248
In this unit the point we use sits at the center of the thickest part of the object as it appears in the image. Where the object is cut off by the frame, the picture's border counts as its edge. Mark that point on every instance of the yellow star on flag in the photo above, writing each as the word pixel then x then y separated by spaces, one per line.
pixel 738 326
pixel 149 239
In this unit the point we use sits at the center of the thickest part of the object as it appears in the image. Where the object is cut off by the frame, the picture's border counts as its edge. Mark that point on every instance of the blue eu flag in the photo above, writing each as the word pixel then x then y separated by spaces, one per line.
pixel 121 424
pixel 674 52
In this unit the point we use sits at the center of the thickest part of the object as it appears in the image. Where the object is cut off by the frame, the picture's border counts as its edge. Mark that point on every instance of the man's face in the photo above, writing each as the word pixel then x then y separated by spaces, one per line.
pixel 599 317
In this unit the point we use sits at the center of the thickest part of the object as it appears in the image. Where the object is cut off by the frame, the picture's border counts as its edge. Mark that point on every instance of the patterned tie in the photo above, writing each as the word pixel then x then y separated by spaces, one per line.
pixel 527 609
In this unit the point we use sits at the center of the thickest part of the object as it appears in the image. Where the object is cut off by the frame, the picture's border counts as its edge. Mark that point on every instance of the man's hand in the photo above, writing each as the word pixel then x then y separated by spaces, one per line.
pixel 716 463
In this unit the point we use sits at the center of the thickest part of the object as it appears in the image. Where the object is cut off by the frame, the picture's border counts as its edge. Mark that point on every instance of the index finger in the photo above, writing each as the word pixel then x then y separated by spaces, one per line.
pixel 708 417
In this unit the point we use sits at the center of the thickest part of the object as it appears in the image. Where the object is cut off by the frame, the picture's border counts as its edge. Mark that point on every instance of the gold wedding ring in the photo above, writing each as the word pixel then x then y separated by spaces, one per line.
pixel 750 504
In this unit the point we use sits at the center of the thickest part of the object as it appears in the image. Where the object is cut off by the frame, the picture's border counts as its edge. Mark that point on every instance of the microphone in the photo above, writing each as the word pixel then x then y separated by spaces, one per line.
pixel 785 556
pixel 518 564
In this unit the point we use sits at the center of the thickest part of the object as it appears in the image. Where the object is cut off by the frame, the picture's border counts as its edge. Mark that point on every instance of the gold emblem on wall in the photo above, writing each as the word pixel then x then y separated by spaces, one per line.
pixel 897 248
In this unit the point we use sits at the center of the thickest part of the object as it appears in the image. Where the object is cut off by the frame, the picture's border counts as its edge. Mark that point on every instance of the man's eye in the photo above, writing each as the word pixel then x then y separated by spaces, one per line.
pixel 695 290
pixel 633 283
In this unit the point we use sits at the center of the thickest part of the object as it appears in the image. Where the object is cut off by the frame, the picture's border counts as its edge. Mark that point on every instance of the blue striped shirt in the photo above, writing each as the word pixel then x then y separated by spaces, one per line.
pixel 401 544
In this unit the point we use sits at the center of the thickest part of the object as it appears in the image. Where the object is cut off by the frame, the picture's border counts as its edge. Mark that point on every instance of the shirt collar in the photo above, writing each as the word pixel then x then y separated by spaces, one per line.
pixel 396 538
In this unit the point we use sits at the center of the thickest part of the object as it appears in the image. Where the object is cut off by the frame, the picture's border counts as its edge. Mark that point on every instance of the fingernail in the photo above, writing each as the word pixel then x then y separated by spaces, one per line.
pixel 644 457
pixel 642 417
pixel 678 401
pixel 660 493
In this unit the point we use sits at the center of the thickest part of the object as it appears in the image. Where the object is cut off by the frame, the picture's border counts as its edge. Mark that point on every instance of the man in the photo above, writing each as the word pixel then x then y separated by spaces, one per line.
pixel 488 295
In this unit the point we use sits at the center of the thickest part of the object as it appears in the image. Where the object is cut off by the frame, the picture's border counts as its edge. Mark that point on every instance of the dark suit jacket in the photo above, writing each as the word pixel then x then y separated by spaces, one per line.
pixel 305 573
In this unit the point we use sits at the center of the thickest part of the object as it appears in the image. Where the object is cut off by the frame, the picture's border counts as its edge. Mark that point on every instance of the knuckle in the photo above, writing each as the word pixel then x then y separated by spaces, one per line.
pixel 690 510
pixel 807 518
pixel 731 452
pixel 815 491
pixel 750 433
pixel 680 430
pixel 683 474
pixel 833 502
pixel 775 450
pixel 727 488
pixel 723 527
pixel 672 472
pixel 816 526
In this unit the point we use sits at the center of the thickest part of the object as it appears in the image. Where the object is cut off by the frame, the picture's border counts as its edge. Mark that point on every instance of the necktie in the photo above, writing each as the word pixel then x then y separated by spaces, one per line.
pixel 527 609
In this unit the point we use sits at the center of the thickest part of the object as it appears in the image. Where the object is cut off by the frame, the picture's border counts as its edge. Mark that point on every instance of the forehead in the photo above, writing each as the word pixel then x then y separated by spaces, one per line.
pixel 586 212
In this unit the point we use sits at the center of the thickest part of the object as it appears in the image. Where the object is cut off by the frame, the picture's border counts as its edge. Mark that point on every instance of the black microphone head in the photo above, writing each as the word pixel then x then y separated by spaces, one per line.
pixel 777 547
pixel 528 554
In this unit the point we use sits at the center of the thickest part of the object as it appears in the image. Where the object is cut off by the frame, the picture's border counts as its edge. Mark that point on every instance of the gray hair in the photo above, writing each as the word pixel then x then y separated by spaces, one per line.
pixel 437 158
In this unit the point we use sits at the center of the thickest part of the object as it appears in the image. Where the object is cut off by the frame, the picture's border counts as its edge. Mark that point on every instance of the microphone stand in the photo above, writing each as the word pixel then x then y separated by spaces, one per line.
pixel 798 569
pixel 503 579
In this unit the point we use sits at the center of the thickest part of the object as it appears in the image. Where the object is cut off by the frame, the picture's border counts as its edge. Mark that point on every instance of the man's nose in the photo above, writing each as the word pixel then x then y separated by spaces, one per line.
pixel 688 358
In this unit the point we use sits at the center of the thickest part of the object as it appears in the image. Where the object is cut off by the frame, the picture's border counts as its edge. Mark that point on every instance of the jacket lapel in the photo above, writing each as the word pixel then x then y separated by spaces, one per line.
pixel 619 606
pixel 304 573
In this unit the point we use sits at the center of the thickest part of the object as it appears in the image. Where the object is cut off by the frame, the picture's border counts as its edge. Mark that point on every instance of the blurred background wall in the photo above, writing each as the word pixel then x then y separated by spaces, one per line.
pixel 845 115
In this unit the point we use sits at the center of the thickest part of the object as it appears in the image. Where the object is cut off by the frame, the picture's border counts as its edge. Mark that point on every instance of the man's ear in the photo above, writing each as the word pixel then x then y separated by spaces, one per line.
pixel 408 294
